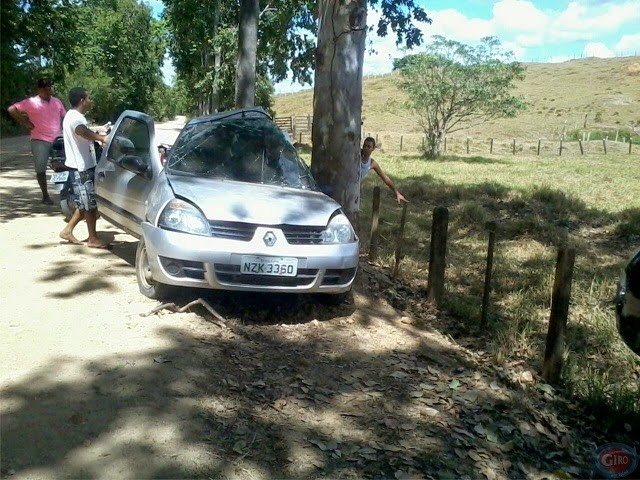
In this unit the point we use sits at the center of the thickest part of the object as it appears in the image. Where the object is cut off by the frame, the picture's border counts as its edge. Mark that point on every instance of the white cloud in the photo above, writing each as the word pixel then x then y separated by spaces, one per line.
pixel 597 50
pixel 628 45
pixel 579 22
pixel 519 16
pixel 452 24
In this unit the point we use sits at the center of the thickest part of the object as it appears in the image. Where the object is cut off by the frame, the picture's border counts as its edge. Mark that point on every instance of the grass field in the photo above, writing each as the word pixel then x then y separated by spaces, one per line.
pixel 539 202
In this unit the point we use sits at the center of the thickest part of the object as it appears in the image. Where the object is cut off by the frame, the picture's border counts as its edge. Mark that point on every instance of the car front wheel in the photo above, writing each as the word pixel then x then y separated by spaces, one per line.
pixel 147 285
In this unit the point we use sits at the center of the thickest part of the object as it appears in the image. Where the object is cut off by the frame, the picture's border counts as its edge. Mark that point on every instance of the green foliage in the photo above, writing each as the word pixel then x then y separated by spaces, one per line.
pixel 622 134
pixel 204 34
pixel 452 86
pixel 114 48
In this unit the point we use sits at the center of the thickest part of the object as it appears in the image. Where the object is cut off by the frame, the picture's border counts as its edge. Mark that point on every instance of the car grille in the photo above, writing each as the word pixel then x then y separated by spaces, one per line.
pixel 232 230
pixel 244 232
pixel 230 274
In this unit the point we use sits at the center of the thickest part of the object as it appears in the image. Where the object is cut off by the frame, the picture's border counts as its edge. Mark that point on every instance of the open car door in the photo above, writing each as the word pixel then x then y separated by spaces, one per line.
pixel 126 171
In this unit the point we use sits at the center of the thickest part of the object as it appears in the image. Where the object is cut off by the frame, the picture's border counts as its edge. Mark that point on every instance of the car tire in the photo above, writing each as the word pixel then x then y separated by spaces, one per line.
pixel 146 284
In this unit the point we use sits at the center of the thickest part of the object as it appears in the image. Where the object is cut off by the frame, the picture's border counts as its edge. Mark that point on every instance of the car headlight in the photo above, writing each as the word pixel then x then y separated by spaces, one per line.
pixel 181 216
pixel 339 230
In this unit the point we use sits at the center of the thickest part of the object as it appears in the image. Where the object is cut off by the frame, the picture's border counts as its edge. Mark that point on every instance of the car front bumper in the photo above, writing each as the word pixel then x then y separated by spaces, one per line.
pixel 187 260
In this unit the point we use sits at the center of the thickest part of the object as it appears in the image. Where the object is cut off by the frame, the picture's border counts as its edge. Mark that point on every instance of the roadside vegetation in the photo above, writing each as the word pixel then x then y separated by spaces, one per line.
pixel 539 203
pixel 592 203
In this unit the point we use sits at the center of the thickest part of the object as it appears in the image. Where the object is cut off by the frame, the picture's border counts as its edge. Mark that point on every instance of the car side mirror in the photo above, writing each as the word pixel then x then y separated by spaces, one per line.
pixel 134 164
pixel 628 304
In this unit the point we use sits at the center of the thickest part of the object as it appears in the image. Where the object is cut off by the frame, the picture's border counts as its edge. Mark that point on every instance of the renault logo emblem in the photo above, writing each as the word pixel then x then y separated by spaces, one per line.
pixel 269 239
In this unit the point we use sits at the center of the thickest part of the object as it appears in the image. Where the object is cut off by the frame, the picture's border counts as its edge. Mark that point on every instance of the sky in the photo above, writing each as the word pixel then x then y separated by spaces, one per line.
pixel 535 31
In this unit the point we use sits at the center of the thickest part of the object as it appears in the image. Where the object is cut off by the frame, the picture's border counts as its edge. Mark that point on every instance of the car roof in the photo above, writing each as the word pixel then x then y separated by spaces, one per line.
pixel 244 112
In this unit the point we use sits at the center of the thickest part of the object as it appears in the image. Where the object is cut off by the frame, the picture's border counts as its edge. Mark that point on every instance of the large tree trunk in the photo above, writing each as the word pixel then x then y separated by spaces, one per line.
pixel 247 48
pixel 337 101
pixel 215 87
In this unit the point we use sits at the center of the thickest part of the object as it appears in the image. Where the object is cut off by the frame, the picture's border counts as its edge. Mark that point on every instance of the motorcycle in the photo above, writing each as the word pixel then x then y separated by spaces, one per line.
pixel 60 177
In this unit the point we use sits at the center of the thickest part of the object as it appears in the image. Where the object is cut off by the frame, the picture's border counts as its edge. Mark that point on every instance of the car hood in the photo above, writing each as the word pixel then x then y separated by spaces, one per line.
pixel 231 201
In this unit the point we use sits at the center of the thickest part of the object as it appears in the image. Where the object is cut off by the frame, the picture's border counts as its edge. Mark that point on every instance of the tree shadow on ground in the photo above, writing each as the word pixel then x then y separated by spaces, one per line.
pixel 280 401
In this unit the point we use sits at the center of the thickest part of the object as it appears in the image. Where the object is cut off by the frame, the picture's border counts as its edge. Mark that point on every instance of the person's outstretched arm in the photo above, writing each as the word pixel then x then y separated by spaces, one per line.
pixel 388 182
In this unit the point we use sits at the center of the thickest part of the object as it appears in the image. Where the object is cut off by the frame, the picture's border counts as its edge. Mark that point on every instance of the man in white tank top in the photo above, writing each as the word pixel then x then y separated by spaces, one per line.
pixel 367 163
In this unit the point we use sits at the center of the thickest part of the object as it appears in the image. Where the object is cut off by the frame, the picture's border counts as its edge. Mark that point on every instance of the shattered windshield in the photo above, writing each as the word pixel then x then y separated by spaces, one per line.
pixel 246 149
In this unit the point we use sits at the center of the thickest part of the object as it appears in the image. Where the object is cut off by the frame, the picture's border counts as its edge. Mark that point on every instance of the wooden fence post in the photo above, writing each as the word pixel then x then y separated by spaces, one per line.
pixel 491 226
pixel 437 256
pixel 604 145
pixel 514 146
pixel 585 121
pixel 554 351
pixel 375 213
pixel 629 145
pixel 560 149
pixel 539 141
pixel 400 142
pixel 445 144
pixel 300 138
pixel 467 145
pixel 400 242
pixel 581 149
pixel 491 146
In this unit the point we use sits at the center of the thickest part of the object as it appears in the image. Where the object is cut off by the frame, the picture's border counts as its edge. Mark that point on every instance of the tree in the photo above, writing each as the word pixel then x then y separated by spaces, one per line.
pixel 284 44
pixel 247 52
pixel 38 38
pixel 453 86
pixel 337 104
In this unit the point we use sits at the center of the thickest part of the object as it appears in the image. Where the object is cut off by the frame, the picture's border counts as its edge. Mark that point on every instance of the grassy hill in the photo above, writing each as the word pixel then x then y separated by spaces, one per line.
pixel 560 95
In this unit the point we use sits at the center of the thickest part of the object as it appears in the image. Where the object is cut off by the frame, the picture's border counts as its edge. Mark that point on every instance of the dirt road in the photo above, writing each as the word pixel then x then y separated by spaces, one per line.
pixel 283 388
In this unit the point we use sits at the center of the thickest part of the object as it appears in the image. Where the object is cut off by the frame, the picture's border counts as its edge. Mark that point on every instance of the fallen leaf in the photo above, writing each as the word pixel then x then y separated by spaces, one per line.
pixel 318 443
pixel 474 456
pixel 454 384
pixel 161 360
pixel 479 429
pixel 429 412
pixel 239 446
pixel 526 376
pixel 399 374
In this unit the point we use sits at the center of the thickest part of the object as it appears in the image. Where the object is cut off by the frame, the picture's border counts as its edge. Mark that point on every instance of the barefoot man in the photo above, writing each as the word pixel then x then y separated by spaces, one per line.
pixel 81 157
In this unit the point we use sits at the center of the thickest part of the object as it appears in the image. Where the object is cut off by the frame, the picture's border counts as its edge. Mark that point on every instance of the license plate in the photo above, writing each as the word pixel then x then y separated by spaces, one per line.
pixel 59 177
pixel 278 266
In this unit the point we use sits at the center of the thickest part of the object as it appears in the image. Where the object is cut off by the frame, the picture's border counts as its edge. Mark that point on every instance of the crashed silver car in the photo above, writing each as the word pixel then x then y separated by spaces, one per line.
pixel 233 207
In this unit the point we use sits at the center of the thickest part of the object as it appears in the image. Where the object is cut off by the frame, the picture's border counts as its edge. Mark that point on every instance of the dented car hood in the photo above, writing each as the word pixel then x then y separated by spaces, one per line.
pixel 233 201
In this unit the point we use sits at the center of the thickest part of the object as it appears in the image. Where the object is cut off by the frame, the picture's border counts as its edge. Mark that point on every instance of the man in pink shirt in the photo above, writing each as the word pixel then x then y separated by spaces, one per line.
pixel 42 115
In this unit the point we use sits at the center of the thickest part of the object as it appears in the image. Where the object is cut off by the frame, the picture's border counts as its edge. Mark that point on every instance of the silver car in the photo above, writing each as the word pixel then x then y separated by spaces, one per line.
pixel 233 207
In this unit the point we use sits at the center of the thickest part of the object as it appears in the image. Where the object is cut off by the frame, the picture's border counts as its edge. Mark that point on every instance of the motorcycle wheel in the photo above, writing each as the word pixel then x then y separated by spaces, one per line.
pixel 146 284
pixel 67 207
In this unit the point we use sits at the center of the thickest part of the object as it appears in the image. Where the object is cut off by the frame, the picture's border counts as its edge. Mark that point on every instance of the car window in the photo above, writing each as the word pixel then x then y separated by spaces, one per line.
pixel 244 149
pixel 131 138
